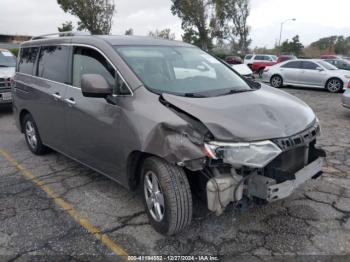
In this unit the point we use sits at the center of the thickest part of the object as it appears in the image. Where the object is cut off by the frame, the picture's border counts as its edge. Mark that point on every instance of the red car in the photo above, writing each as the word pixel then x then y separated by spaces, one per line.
pixel 283 58
pixel 258 67
pixel 330 57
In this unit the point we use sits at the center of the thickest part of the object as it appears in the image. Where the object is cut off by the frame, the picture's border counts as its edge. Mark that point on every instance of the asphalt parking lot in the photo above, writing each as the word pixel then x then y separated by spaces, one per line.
pixel 52 206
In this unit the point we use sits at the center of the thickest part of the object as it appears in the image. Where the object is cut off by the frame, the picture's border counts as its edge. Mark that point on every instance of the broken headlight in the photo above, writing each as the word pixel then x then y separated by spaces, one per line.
pixel 254 154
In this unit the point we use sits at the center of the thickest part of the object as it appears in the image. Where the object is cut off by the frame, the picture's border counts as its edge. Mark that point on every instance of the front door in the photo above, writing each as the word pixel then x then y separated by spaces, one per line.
pixel 94 124
pixel 313 74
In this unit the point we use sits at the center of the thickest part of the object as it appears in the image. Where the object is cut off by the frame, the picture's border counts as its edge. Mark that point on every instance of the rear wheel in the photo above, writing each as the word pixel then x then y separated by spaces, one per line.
pixel 167 196
pixel 260 72
pixel 32 136
pixel 334 85
pixel 276 81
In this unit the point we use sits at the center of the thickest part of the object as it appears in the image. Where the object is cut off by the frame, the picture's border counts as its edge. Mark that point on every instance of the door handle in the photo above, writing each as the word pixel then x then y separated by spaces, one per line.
pixel 70 101
pixel 56 96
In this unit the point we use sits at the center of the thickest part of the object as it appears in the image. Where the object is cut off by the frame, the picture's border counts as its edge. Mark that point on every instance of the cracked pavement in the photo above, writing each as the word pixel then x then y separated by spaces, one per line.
pixel 315 220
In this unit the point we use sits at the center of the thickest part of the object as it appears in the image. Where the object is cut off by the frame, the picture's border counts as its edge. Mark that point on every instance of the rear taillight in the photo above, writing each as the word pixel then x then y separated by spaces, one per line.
pixel 349 85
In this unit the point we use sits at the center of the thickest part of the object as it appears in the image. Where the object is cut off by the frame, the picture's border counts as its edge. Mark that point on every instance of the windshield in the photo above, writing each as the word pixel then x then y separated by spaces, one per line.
pixel 185 71
pixel 327 65
pixel 7 59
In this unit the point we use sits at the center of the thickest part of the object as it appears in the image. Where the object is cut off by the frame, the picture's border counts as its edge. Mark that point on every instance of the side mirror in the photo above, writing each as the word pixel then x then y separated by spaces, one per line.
pixel 320 69
pixel 93 85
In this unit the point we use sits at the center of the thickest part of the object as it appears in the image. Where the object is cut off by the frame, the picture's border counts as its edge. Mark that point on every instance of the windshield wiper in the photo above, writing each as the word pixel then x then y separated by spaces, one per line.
pixel 195 95
pixel 234 91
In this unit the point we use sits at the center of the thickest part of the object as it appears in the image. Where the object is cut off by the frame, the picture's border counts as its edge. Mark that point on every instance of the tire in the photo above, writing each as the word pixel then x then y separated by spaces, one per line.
pixel 32 136
pixel 171 188
pixel 260 72
pixel 276 81
pixel 334 85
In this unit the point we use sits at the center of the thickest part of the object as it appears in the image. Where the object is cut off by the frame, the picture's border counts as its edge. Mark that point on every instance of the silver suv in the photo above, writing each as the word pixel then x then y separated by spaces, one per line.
pixel 7 71
pixel 165 115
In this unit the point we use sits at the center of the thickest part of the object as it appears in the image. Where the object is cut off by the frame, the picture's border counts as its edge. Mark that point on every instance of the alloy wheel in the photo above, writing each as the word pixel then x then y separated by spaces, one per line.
pixel 31 134
pixel 334 85
pixel 276 81
pixel 154 196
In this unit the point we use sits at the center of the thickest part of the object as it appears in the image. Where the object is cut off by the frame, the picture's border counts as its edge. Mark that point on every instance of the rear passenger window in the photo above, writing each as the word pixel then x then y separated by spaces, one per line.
pixel 27 60
pixel 293 64
pixel 53 63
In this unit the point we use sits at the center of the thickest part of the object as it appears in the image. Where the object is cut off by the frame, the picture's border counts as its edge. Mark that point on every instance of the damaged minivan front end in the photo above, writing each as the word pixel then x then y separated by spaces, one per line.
pixel 270 170
pixel 267 169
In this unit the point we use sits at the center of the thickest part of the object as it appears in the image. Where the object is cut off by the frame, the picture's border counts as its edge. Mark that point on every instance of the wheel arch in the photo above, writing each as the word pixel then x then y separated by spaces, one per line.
pixel 334 77
pixel 134 166
pixel 22 114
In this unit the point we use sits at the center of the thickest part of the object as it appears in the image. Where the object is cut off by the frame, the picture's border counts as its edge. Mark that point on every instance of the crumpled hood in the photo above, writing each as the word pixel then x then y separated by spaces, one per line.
pixel 258 115
pixel 6 72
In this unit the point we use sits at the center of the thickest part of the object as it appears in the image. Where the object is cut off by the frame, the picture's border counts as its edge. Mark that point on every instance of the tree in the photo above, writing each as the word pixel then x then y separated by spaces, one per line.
pixel 196 16
pixel 292 47
pixel 130 31
pixel 66 27
pixel 95 16
pixel 232 16
pixel 165 34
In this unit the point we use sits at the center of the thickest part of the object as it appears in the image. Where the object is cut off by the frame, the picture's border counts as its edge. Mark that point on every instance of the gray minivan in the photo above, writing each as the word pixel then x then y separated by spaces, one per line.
pixel 167 116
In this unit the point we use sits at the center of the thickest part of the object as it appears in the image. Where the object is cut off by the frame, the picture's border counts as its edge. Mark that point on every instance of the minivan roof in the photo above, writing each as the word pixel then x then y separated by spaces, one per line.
pixel 110 39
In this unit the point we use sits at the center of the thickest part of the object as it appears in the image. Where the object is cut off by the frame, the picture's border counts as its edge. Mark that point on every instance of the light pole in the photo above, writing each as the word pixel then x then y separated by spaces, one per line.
pixel 292 19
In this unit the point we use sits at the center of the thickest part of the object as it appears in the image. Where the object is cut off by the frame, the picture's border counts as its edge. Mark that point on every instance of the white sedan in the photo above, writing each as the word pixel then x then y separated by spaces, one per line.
pixel 307 73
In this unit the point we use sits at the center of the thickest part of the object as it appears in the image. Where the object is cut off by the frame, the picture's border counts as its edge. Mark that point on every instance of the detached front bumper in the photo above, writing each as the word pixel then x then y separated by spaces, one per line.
pixel 267 188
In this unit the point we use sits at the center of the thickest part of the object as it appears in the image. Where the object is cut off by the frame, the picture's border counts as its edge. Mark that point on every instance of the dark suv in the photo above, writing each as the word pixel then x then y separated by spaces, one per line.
pixel 166 115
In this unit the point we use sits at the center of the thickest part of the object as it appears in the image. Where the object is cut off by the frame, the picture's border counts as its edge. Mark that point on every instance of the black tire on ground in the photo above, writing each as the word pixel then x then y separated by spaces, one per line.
pixel 260 72
pixel 174 187
pixel 32 136
pixel 276 81
pixel 334 85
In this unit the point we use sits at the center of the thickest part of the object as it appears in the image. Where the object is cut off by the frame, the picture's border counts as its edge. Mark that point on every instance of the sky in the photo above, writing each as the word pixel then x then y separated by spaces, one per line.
pixel 314 18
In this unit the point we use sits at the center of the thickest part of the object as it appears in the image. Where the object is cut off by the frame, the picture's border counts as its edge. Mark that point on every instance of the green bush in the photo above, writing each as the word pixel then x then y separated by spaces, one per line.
pixel 14 51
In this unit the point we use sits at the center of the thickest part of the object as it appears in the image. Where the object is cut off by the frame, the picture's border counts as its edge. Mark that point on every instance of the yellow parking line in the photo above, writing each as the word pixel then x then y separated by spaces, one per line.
pixel 67 207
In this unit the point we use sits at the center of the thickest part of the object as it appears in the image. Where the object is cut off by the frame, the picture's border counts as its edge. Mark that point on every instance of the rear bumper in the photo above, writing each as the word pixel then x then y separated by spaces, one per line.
pixel 346 100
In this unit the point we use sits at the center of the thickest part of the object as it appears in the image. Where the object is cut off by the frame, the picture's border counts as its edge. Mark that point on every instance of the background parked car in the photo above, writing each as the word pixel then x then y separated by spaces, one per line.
pixel 258 67
pixel 346 98
pixel 330 57
pixel 339 63
pixel 308 73
pixel 250 59
pixel 7 71
pixel 233 60
pixel 283 58
pixel 244 70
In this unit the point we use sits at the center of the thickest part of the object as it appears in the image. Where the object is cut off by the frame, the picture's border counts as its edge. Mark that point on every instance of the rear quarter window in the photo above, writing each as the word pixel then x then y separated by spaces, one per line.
pixel 27 60
pixel 248 57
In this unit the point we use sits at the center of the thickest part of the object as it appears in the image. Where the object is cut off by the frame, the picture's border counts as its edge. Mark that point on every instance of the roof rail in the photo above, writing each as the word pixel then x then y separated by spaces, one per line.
pixel 61 34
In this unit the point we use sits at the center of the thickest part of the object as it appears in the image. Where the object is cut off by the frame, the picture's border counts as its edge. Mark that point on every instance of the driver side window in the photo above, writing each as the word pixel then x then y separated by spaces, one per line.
pixel 89 61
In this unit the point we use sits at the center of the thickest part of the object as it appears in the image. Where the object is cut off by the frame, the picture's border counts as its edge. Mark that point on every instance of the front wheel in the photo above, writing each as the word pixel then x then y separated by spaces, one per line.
pixel 276 81
pixel 167 196
pixel 334 85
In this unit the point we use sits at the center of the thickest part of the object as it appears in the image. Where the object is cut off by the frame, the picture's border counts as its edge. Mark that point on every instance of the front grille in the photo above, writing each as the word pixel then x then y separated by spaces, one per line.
pixel 298 151
pixel 298 140
pixel 5 83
